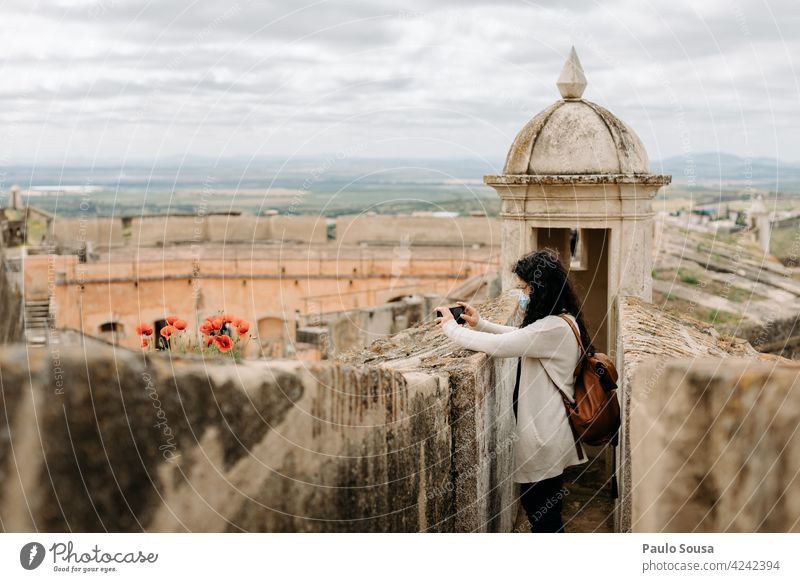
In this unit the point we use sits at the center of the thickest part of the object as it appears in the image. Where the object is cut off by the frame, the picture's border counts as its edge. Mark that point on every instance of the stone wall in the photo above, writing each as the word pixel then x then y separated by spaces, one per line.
pixel 130 285
pixel 433 230
pixel 410 434
pixel 351 330
pixel 11 306
pixel 779 336
pixel 101 230
pixel 109 439
pixel 374 229
pixel 648 333
pixel 716 446
pixel 359 328
pixel 480 412
pixel 137 444
pixel 300 228
pixel 202 228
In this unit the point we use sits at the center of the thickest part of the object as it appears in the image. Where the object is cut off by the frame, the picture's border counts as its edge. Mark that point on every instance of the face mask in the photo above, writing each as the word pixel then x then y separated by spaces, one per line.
pixel 524 300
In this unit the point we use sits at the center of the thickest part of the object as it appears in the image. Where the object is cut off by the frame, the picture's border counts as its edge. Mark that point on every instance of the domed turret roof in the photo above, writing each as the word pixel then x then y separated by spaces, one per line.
pixel 575 136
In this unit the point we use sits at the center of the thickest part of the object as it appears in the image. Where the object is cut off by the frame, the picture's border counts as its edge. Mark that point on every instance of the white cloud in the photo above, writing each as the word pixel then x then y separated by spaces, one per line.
pixel 109 78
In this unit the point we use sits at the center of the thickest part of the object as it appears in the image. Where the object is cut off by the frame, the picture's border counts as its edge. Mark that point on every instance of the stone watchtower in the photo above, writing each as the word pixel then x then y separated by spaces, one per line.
pixel 15 199
pixel 759 221
pixel 577 179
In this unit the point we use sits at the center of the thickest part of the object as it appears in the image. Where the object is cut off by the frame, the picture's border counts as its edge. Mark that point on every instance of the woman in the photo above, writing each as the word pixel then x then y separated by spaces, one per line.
pixel 548 355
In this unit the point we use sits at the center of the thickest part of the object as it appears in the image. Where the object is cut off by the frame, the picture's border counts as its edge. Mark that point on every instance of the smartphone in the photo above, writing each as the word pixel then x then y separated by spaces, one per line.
pixel 456 311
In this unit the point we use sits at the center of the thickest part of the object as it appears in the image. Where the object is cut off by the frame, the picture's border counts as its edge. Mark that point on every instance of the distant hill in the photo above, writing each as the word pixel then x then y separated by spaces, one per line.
pixel 338 184
pixel 732 172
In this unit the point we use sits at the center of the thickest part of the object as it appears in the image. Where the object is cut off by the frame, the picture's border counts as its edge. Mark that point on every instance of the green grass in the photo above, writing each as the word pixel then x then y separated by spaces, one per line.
pixel 688 277
pixel 785 244
pixel 719 316
pixel 679 306
pixel 710 286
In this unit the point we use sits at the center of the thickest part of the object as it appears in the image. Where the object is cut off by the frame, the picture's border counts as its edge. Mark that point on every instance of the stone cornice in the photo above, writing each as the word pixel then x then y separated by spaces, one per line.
pixel 570 218
pixel 577 179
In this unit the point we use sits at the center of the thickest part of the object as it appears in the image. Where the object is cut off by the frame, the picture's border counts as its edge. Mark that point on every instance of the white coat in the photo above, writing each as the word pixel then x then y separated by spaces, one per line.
pixel 544 445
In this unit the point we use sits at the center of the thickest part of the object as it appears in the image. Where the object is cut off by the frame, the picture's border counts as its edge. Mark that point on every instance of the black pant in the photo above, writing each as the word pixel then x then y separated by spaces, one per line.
pixel 542 502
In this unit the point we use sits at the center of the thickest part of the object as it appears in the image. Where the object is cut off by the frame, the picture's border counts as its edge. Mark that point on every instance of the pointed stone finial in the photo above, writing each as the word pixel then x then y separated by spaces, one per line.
pixel 571 82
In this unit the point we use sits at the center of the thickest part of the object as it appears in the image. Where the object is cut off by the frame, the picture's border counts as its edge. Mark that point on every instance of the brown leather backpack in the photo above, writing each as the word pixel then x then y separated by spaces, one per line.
pixel 594 416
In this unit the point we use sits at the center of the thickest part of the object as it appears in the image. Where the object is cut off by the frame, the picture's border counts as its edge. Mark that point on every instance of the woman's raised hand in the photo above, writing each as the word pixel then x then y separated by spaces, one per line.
pixel 470 314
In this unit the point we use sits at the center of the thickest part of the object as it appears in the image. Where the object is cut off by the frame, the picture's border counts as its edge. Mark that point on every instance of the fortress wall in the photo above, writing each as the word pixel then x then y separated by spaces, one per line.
pixel 109 231
pixel 359 328
pixel 127 444
pixel 41 272
pixel 263 228
pixel 310 228
pixel 240 260
pixel 242 228
pixel 156 230
pixel 231 289
pixel 461 230
pixel 66 231
pixel 479 408
pixel 11 306
pixel 378 229
pixel 152 230
pixel 37 271
pixel 483 432
pixel 647 333
pixel 715 446
pixel 111 440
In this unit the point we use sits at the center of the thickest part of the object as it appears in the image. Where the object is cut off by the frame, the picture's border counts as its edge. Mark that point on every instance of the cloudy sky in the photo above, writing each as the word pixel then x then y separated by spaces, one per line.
pixel 123 80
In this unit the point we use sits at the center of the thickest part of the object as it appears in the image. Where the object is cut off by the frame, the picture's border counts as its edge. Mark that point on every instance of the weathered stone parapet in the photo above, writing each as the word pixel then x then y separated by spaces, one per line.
pixel 107 439
pixel 577 179
pixel 110 440
pixel 715 446
pixel 479 412
pixel 11 304
pixel 649 333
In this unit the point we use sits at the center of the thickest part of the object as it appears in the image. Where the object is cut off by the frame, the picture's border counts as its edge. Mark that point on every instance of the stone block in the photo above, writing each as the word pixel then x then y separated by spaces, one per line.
pixel 715 446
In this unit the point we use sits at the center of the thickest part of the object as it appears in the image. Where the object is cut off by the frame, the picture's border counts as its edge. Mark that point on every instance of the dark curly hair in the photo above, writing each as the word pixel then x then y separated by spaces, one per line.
pixel 551 291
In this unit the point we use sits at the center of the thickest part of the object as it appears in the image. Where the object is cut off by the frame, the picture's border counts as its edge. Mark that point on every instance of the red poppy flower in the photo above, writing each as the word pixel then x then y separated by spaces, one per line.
pixel 206 328
pixel 224 343
pixel 144 329
pixel 237 322
pixel 228 318
pixel 172 319
pixel 145 342
pixel 217 322
pixel 243 328
pixel 167 331
pixel 209 340
pixel 180 324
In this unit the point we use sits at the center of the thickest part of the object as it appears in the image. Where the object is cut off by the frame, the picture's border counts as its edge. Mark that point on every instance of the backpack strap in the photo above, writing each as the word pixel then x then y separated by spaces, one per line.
pixel 580 342
pixel 567 404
